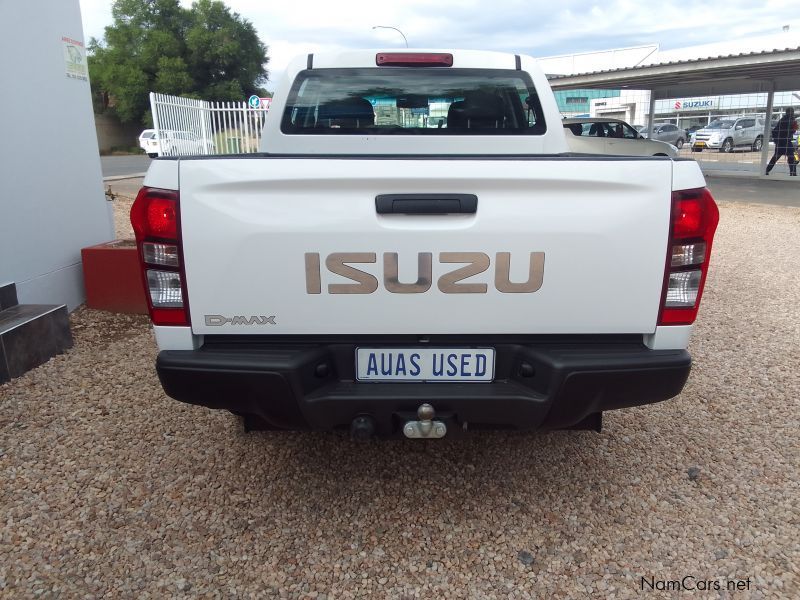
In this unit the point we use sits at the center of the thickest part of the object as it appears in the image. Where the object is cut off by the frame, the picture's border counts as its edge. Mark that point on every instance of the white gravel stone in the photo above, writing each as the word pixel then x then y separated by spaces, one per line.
pixel 109 488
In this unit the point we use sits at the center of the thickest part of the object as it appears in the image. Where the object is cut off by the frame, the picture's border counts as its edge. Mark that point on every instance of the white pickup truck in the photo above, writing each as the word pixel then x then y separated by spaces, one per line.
pixel 415 252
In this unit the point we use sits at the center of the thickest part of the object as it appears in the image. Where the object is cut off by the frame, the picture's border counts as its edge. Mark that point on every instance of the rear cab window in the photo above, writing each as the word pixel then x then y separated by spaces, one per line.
pixel 413 101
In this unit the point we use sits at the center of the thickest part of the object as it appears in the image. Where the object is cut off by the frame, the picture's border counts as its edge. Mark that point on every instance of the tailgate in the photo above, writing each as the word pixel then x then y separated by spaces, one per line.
pixel 296 246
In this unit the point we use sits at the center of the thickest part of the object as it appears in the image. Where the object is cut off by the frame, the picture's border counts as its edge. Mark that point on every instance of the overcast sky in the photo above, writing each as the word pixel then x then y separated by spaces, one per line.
pixel 539 29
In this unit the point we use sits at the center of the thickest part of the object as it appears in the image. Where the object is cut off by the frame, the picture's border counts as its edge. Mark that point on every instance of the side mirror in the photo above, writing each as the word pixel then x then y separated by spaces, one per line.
pixel 739 127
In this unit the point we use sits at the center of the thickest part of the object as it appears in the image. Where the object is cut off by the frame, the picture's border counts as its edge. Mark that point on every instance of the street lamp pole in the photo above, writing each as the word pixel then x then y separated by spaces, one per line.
pixel 395 28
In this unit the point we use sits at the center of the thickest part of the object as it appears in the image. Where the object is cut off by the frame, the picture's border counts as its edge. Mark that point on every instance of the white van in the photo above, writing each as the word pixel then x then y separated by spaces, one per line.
pixel 146 135
pixel 175 143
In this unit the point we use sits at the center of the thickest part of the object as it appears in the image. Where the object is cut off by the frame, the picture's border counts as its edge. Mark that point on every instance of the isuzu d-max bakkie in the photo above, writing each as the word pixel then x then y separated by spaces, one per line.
pixel 415 252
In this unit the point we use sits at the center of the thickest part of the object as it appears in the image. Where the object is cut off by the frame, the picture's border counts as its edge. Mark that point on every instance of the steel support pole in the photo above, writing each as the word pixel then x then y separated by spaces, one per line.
pixel 767 132
pixel 651 115
pixel 154 112
pixel 206 141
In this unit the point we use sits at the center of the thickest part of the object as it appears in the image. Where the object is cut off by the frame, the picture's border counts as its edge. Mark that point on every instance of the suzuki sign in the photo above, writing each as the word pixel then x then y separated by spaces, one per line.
pixel 695 104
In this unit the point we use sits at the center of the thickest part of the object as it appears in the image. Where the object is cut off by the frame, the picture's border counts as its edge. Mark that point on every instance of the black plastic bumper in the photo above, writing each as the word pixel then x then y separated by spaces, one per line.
pixel 539 383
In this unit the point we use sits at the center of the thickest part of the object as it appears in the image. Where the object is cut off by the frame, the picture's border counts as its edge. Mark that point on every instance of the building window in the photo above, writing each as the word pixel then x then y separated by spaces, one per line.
pixel 577 100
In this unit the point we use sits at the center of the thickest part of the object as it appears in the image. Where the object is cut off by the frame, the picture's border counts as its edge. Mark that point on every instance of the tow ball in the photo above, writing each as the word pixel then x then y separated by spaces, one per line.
pixel 425 427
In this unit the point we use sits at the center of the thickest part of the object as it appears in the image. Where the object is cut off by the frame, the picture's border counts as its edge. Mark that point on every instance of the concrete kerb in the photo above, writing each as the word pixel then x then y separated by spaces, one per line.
pixel 123 187
pixel 120 177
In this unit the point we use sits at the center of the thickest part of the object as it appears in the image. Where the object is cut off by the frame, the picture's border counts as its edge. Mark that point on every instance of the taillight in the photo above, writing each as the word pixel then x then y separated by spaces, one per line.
pixel 413 59
pixel 692 226
pixel 155 216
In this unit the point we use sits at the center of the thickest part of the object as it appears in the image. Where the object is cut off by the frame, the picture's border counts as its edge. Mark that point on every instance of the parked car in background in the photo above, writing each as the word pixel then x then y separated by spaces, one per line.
pixel 176 143
pixel 728 134
pixel 665 132
pixel 612 136
pixel 146 135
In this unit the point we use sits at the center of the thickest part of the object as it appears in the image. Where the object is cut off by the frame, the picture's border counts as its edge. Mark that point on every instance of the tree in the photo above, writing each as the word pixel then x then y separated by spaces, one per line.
pixel 205 52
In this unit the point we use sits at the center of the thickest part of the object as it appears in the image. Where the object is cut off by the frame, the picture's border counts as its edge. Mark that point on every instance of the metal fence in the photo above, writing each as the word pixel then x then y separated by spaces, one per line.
pixel 186 127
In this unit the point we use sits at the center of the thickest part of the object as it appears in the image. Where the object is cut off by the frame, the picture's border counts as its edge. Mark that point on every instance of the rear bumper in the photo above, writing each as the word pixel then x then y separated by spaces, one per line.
pixel 538 384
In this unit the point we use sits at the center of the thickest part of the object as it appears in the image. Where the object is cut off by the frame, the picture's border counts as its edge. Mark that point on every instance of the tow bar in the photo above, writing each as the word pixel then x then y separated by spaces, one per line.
pixel 425 427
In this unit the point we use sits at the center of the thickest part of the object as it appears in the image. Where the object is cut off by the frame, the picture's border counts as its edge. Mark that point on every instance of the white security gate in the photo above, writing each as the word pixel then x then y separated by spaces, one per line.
pixel 186 127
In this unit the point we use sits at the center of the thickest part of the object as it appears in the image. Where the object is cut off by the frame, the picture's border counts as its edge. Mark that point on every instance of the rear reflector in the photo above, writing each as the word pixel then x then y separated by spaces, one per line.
pixel 168 316
pixel 155 217
pixel 413 59
pixel 693 223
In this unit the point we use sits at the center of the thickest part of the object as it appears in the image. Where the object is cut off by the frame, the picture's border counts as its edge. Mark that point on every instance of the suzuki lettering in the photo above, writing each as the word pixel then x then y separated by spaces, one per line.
pixel 339 263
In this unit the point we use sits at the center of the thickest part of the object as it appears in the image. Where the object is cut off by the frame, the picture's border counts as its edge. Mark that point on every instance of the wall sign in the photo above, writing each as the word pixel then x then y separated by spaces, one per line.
pixel 695 104
pixel 256 102
pixel 75 59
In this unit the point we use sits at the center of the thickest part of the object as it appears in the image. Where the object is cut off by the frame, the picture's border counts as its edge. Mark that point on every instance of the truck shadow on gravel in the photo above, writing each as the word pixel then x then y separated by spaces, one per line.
pixel 516 471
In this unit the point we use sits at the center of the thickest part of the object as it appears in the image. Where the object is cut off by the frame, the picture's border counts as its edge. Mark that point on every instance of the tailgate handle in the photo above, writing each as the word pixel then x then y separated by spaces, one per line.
pixel 425 204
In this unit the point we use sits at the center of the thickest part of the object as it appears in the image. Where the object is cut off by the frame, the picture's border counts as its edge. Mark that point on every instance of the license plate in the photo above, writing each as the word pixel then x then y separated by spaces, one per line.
pixel 700 145
pixel 425 364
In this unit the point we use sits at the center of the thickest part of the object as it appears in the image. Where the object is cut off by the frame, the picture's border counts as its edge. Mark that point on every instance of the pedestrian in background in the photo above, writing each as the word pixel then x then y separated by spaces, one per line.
pixel 782 134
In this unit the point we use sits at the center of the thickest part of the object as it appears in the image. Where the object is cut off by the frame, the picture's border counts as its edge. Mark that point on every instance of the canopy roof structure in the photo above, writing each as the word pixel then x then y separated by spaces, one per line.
pixel 769 64
pixel 761 71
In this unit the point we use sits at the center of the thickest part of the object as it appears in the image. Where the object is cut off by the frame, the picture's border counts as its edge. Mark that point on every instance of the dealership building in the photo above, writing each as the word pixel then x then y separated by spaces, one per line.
pixel 633 105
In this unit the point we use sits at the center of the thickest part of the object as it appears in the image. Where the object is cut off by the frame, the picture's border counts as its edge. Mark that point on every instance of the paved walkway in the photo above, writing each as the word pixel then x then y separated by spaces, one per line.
pixel 115 166
pixel 760 191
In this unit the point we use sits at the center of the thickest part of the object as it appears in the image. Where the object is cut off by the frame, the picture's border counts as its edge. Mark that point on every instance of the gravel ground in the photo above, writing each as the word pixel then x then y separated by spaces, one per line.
pixel 111 489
